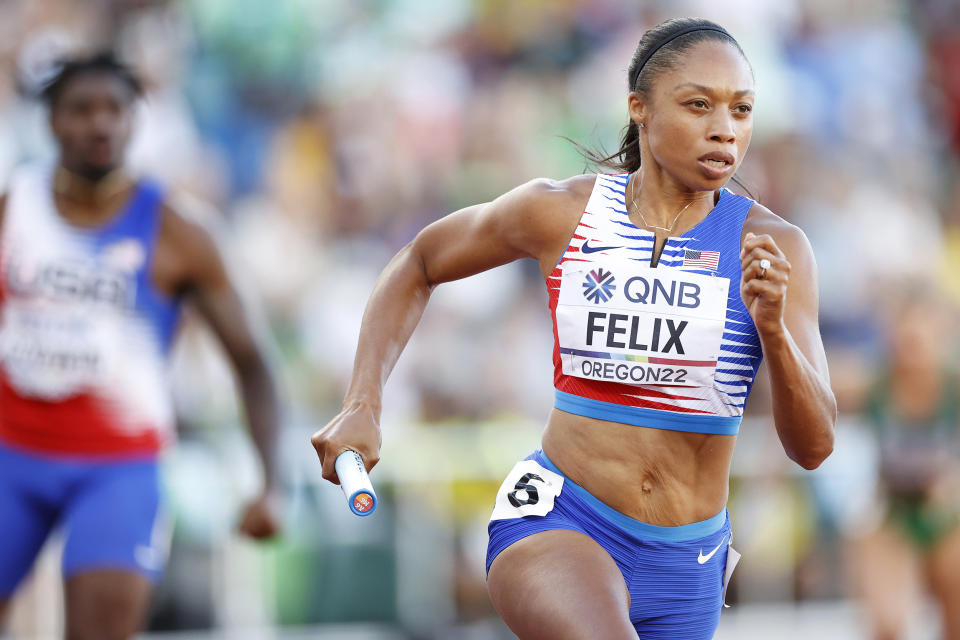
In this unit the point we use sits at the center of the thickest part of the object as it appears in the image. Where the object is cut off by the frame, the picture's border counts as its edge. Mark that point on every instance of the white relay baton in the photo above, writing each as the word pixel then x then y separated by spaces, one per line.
pixel 355 483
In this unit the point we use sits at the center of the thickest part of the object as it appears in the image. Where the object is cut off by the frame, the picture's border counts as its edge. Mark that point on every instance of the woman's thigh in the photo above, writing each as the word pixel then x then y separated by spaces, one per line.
pixel 944 576
pixel 560 585
pixel 884 568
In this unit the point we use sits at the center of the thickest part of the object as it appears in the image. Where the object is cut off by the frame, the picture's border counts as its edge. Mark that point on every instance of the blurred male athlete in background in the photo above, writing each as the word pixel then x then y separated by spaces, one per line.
pixel 95 265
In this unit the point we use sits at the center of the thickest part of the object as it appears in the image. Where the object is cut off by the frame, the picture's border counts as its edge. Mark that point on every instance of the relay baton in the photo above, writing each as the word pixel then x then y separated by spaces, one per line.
pixel 355 483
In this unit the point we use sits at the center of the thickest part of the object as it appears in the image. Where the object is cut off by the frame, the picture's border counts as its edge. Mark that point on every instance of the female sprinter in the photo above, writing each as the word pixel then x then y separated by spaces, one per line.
pixel 911 542
pixel 665 289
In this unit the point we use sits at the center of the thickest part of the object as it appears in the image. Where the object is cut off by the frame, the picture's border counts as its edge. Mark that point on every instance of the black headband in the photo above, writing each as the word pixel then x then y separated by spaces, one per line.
pixel 682 32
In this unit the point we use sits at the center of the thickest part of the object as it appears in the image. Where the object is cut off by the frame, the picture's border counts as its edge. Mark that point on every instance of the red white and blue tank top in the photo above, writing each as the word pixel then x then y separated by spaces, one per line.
pixel 84 334
pixel 670 347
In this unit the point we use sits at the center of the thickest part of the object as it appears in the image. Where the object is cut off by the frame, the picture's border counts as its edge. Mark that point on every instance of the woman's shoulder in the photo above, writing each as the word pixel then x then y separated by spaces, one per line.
pixel 544 201
pixel 789 237
pixel 760 219
pixel 542 214
pixel 553 192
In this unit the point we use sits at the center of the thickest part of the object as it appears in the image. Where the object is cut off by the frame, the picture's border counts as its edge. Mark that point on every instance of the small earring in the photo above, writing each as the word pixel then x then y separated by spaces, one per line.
pixel 642 125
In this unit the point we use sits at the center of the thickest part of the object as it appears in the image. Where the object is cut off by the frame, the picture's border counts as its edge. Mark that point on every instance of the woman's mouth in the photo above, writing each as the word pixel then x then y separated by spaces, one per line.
pixel 716 164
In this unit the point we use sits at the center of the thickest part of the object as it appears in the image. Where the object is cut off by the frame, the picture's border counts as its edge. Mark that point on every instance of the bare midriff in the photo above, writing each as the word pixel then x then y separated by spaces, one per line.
pixel 661 477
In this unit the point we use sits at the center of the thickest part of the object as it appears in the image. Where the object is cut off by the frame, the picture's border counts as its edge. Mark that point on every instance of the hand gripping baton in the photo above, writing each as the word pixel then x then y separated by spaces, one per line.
pixel 355 483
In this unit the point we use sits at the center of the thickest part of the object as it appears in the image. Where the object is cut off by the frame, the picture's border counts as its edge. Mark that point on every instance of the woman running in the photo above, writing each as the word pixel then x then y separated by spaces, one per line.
pixel 666 289
pixel 913 407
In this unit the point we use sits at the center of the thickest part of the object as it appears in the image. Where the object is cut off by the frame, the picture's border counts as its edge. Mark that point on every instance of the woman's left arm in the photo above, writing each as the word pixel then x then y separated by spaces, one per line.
pixel 784 306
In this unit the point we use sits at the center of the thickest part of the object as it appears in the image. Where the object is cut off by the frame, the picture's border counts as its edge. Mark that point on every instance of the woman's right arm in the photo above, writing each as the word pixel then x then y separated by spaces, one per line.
pixel 534 220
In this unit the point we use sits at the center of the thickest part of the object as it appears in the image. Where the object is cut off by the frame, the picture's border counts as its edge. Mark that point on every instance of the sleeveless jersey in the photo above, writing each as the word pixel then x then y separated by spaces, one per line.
pixel 671 346
pixel 84 334
pixel 914 452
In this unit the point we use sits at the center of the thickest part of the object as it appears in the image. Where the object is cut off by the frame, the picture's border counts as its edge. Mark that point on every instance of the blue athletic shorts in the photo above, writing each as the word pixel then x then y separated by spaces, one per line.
pixel 110 512
pixel 675 575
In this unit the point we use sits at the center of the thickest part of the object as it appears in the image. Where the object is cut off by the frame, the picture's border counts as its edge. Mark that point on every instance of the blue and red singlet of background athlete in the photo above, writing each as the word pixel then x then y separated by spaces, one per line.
pixel 84 402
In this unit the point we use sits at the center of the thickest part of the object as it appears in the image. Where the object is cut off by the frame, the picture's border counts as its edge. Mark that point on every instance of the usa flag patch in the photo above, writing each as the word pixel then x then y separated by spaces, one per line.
pixel 701 259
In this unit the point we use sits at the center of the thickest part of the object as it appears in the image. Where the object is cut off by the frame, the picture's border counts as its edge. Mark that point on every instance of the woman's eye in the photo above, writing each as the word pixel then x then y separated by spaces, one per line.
pixel 744 108
pixel 698 104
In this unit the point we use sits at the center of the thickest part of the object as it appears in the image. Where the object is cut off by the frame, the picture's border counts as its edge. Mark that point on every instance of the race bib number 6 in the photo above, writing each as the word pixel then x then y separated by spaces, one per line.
pixel 528 490
pixel 625 322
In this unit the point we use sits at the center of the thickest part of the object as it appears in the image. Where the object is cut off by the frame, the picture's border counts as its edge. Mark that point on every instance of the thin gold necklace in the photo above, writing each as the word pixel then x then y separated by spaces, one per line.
pixel 633 200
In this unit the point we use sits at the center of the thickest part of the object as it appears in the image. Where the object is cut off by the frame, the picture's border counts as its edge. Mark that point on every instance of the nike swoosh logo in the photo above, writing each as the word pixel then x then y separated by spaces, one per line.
pixel 586 248
pixel 702 559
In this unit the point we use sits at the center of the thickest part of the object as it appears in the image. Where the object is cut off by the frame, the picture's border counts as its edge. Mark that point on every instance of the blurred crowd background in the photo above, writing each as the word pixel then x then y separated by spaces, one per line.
pixel 321 135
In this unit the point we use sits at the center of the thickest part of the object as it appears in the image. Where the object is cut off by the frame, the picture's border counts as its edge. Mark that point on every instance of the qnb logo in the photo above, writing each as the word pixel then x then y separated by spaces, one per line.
pixel 599 286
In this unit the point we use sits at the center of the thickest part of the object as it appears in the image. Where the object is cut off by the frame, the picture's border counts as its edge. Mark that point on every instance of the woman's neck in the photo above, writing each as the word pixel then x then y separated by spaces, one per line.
pixel 655 201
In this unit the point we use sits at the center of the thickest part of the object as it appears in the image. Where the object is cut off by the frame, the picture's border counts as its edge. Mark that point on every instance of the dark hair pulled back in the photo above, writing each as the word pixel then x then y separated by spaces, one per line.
pixel 658 51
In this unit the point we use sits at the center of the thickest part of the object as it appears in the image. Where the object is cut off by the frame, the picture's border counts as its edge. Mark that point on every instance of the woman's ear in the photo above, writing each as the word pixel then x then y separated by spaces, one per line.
pixel 637 108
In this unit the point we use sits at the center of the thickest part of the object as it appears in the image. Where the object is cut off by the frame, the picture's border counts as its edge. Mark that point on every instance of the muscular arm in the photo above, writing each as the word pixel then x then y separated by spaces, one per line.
pixel 784 306
pixel 532 221
pixel 207 284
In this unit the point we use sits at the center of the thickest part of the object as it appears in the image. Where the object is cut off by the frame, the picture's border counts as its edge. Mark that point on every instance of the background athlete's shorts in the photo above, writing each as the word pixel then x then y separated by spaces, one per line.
pixel 675 575
pixel 110 513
